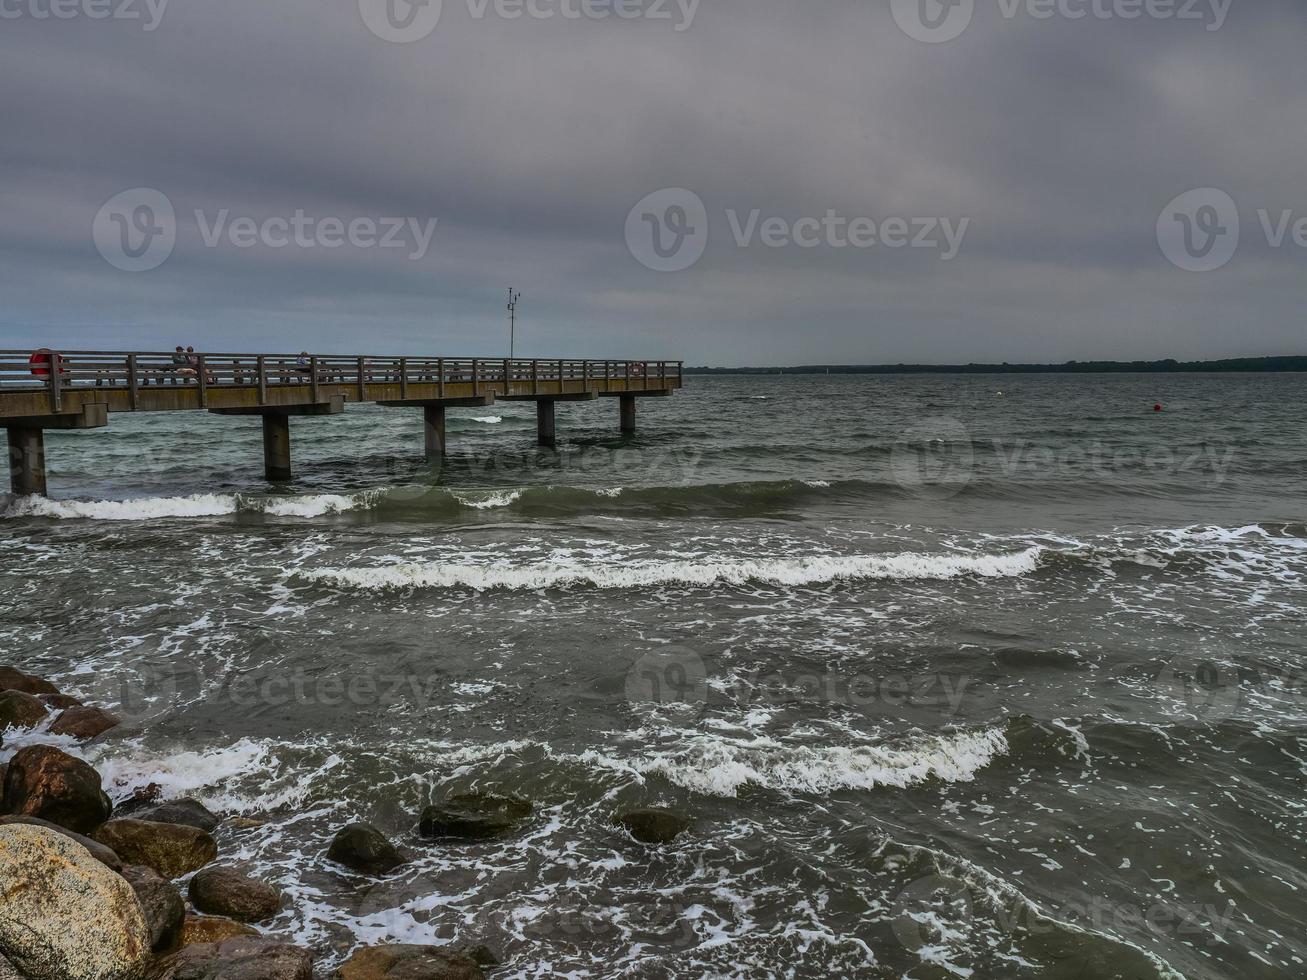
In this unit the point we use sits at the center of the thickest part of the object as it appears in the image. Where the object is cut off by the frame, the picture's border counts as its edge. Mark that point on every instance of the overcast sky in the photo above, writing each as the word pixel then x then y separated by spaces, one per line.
pixel 1048 146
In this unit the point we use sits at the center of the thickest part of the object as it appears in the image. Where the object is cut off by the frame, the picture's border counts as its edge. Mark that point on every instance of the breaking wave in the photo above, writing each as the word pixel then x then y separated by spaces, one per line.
pixel 815 570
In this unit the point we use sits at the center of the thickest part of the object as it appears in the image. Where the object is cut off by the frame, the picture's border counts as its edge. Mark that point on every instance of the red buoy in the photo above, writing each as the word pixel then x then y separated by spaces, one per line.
pixel 1157 408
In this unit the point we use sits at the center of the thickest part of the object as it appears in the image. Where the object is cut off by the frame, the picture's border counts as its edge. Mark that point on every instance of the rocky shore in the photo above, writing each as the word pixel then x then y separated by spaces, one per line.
pixel 138 891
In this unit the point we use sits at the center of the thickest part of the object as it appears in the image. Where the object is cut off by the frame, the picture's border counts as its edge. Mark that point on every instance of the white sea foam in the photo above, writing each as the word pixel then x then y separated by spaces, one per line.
pixel 768 571
pixel 717 766
pixel 488 501
pixel 195 505
pixel 487 419
pixel 148 508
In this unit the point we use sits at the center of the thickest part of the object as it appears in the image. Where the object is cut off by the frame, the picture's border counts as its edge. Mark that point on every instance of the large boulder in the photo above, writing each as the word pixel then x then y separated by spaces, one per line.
pixel 362 847
pixel 190 812
pixel 240 958
pixel 103 854
pixel 212 929
pixel 474 816
pixel 60 701
pixel 161 904
pixel 653 825
pixel 19 710
pixel 63 914
pixel 44 782
pixel 82 722
pixel 405 962
pixel 13 679
pixel 225 891
pixel 170 849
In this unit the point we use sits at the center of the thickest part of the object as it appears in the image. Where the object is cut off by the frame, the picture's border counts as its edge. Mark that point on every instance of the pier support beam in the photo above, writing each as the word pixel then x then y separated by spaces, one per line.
pixel 545 430
pixel 433 424
pixel 628 414
pixel 27 443
pixel 276 430
pixel 27 461
pixel 276 447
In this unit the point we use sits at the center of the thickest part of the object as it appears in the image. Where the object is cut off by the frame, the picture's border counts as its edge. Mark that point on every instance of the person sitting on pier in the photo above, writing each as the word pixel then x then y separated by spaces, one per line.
pixel 181 364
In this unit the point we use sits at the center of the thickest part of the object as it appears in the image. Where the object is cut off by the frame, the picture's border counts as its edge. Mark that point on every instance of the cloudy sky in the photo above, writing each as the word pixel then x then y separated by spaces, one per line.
pixel 872 187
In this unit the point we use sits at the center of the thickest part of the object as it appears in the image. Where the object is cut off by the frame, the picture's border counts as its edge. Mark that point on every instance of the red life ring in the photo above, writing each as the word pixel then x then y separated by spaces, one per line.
pixel 41 358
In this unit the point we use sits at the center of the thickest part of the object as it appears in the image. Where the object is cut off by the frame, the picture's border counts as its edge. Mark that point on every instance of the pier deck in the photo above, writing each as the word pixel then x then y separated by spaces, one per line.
pixel 81 389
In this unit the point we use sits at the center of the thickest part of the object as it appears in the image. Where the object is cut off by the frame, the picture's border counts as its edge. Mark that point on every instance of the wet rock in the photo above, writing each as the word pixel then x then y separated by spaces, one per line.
pixel 103 854
pixel 161 904
pixel 653 825
pixel 405 962
pixel 191 813
pixel 225 891
pixel 82 722
pixel 212 929
pixel 245 823
pixel 483 955
pixel 63 914
pixel 364 848
pixel 142 797
pixel 19 710
pixel 170 849
pixel 47 783
pixel 58 702
pixel 13 679
pixel 239 958
pixel 474 816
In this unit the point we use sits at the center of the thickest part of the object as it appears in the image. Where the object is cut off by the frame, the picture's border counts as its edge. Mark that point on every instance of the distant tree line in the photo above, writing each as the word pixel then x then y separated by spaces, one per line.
pixel 1169 365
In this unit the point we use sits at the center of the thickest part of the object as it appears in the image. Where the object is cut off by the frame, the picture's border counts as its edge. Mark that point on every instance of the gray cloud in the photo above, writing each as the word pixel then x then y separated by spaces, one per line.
pixel 530 141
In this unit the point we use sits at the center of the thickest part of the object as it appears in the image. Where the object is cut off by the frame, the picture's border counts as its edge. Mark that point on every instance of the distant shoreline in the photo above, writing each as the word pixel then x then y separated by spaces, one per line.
pixel 1168 366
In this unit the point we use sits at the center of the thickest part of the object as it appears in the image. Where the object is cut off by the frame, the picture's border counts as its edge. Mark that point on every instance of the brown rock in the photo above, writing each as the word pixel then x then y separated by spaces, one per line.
pixel 13 679
pixel 60 701
pixel 162 904
pixel 654 825
pixel 82 722
pixel 170 849
pixel 239 958
pixel 225 891
pixel 405 962
pixel 64 915
pixel 473 816
pixel 212 929
pixel 47 783
pixel 193 813
pixel 103 854
pixel 362 847
pixel 19 710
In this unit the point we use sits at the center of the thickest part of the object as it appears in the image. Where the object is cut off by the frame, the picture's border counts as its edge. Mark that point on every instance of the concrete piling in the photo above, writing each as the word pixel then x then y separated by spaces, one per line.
pixel 27 461
pixel 433 418
pixel 276 447
pixel 545 430
pixel 628 414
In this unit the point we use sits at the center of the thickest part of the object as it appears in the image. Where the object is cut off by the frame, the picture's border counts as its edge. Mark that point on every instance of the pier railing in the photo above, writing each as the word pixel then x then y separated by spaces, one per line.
pixel 59 371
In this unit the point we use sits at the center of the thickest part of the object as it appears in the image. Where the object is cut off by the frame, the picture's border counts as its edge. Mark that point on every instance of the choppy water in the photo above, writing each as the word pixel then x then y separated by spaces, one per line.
pixel 974 677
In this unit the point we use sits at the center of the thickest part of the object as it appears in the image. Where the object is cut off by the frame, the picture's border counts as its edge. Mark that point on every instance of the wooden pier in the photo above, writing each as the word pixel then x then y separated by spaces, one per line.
pixel 81 389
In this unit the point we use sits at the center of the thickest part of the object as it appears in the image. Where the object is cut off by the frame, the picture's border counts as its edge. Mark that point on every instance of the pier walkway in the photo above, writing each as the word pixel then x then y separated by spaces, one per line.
pixel 81 389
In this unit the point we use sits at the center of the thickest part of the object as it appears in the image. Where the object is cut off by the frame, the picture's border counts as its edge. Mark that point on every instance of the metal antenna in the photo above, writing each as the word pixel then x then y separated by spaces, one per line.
pixel 512 320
